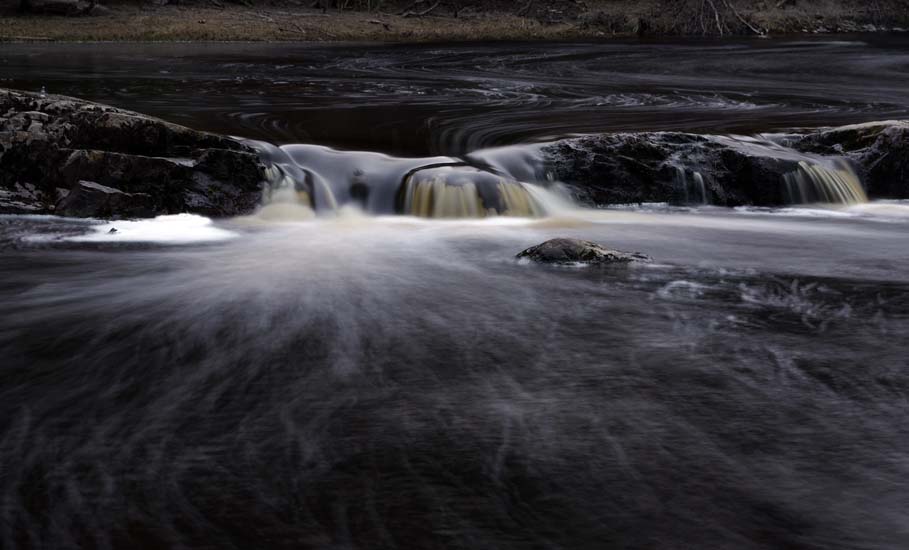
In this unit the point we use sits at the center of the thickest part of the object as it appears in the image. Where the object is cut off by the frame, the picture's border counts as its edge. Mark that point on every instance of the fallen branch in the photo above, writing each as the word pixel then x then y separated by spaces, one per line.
pixel 264 16
pixel 759 32
pixel 525 8
pixel 377 22
pixel 411 6
pixel 716 15
pixel 425 12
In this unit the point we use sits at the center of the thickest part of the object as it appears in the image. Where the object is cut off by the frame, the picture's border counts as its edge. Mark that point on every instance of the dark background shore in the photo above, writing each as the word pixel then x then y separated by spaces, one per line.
pixel 431 20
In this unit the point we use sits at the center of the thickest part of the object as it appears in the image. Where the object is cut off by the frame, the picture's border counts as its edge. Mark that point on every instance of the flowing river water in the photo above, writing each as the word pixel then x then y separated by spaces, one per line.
pixel 348 378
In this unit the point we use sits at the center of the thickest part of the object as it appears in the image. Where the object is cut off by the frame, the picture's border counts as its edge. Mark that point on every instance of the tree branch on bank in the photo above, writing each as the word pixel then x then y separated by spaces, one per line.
pixel 755 30
pixel 525 9
pixel 425 12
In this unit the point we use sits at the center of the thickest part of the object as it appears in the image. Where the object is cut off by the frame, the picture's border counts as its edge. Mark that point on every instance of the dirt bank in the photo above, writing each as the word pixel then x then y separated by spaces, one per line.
pixel 389 20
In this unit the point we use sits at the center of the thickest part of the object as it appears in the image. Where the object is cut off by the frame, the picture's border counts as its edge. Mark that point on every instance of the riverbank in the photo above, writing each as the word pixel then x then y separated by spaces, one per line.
pixel 446 21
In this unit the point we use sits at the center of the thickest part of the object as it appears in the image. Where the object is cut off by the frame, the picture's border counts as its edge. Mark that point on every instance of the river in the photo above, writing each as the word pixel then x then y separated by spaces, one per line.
pixel 353 379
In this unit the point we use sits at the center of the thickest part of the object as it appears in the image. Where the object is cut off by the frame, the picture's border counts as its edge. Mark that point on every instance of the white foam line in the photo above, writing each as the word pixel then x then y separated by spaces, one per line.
pixel 175 229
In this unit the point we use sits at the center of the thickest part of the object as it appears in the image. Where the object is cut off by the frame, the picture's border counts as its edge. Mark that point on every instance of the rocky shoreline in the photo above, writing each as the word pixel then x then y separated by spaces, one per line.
pixel 69 157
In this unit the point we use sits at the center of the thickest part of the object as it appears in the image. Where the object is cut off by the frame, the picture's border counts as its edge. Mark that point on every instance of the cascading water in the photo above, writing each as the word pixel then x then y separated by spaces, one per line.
pixel 804 178
pixel 691 186
pixel 461 192
pixel 515 181
pixel 369 381
pixel 284 199
pixel 814 182
pixel 303 179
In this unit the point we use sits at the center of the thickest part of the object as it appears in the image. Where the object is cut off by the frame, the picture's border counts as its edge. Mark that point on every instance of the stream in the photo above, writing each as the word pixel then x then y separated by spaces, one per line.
pixel 328 373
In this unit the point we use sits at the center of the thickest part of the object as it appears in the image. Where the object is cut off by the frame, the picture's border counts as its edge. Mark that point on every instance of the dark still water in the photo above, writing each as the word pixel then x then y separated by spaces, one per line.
pixel 436 99
pixel 344 380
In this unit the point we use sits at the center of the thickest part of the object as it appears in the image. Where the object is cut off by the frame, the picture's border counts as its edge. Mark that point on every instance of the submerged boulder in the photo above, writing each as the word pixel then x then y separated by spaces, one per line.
pixel 576 251
pixel 50 143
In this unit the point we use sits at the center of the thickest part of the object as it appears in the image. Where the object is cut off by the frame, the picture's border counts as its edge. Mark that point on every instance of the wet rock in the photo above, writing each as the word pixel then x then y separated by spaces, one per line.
pixel 576 251
pixel 21 199
pixel 50 142
pixel 680 168
pixel 88 199
pixel 880 151
pixel 670 167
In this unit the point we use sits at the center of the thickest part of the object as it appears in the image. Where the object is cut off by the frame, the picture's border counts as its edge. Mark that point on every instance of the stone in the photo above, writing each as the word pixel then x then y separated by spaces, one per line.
pixel 22 198
pixel 54 142
pixel 880 150
pixel 670 167
pixel 88 199
pixel 565 251
pixel 680 168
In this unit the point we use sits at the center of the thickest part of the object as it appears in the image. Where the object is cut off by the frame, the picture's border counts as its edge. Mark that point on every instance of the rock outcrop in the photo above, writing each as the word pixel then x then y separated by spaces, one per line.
pixel 92 200
pixel 682 168
pixel 51 145
pixel 118 163
pixel 879 150
pixel 564 251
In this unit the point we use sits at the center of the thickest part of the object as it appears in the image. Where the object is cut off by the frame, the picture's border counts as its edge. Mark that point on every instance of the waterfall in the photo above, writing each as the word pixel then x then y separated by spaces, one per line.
pixel 693 189
pixel 513 181
pixel 814 182
pixel 283 199
pixel 464 192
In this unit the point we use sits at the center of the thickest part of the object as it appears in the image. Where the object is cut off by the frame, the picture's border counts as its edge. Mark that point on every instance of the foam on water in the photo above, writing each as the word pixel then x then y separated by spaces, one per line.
pixel 174 229
pixel 889 211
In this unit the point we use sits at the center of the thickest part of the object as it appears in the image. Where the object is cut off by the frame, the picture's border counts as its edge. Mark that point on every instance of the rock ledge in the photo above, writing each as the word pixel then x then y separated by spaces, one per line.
pixel 135 165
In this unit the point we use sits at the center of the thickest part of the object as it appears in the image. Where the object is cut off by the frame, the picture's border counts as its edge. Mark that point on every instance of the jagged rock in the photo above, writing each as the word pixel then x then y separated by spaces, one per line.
pixel 684 168
pixel 670 167
pixel 50 142
pixel 576 251
pixel 880 150
pixel 88 199
pixel 21 199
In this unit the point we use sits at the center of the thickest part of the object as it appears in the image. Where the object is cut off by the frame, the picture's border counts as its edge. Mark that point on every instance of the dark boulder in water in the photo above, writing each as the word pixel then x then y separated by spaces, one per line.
pixel 576 251
pixel 880 150
pixel 49 144
pixel 669 167
pixel 93 200
pixel 767 170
